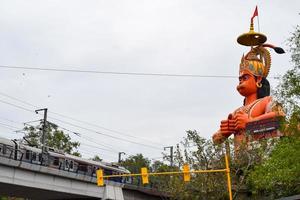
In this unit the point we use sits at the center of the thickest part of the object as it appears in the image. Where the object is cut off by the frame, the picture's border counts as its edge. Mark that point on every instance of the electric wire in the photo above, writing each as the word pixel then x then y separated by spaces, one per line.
pixel 104 134
pixel 13 128
pixel 29 122
pixel 9 125
pixel 96 147
pixel 9 120
pixel 19 100
pixel 111 130
pixel 117 73
pixel 87 129
pixel 85 137
pixel 77 134
pixel 17 106
pixel 88 152
pixel 89 139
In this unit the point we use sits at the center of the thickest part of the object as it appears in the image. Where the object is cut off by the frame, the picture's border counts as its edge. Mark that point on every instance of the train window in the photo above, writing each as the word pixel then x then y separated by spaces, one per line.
pixel 27 155
pixel 33 156
pixel 4 149
pixel 1 148
pixel 56 161
pixel 71 164
pixel 67 164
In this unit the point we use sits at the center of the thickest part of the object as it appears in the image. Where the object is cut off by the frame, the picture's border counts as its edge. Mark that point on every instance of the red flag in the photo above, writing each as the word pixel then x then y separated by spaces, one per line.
pixel 254 14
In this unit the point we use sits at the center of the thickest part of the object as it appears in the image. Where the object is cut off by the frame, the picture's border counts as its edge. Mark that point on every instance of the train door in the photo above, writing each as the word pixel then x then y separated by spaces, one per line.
pixel 69 165
pixel 35 157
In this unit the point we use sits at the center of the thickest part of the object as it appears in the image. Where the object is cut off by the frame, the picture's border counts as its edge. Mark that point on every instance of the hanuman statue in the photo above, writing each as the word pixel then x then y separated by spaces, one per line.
pixel 254 86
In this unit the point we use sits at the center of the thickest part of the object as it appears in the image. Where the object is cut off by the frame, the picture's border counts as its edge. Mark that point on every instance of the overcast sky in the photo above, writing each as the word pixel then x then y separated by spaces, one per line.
pixel 141 36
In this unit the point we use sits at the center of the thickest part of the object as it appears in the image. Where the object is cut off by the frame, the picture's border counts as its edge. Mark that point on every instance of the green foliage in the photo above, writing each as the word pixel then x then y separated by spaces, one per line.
pixel 200 154
pixel 134 164
pixel 55 138
pixel 269 169
pixel 279 174
pixel 97 158
pixel 288 90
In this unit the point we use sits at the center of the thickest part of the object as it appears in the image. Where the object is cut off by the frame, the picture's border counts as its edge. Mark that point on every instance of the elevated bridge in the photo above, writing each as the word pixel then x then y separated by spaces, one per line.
pixel 22 179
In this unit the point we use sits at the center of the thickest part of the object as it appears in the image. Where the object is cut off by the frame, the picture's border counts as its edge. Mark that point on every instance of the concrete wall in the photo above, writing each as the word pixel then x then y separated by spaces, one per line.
pixel 21 179
pixel 36 184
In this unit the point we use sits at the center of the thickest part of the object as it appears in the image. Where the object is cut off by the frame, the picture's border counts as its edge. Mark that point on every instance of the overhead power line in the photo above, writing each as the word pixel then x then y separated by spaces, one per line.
pixel 9 120
pixel 89 139
pixel 116 73
pixel 104 134
pixel 107 129
pixel 93 153
pixel 9 126
pixel 96 147
pixel 81 121
pixel 17 106
pixel 87 129
pixel 17 130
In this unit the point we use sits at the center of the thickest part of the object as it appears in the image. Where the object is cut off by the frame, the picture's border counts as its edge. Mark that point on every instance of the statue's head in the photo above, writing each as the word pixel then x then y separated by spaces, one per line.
pixel 254 68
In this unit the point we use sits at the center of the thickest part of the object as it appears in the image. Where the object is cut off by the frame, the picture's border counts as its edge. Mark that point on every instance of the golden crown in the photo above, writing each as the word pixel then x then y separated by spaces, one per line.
pixel 257 61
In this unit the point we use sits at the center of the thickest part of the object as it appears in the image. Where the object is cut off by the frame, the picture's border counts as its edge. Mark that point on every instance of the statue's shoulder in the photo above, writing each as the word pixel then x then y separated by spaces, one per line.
pixel 265 101
pixel 261 105
pixel 273 106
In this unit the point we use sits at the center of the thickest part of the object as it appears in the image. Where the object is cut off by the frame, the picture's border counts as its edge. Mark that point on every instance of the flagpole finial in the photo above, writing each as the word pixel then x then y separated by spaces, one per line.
pixel 252 38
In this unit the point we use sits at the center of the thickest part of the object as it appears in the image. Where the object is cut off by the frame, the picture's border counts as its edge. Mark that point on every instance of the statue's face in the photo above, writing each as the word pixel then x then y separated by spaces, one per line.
pixel 247 83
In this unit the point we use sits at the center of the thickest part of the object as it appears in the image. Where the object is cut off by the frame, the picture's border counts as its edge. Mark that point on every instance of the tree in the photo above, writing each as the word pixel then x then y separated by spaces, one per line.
pixel 97 158
pixel 134 163
pixel 269 169
pixel 288 90
pixel 55 138
pixel 279 175
pixel 200 154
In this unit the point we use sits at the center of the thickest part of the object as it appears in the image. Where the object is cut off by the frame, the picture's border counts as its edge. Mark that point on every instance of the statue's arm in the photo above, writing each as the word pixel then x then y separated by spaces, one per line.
pixel 227 128
pixel 263 116
pixel 270 109
pixel 218 137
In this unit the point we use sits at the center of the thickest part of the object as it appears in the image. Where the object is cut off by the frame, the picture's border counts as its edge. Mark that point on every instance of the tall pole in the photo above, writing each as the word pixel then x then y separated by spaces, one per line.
pixel 171 154
pixel 120 155
pixel 44 129
pixel 228 177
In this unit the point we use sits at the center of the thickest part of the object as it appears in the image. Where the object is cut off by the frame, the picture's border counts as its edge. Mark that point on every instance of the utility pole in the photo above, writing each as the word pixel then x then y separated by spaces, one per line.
pixel 44 130
pixel 171 154
pixel 120 154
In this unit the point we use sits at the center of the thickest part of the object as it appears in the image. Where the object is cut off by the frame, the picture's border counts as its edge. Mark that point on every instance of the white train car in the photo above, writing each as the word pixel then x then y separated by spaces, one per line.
pixel 7 148
pixel 59 160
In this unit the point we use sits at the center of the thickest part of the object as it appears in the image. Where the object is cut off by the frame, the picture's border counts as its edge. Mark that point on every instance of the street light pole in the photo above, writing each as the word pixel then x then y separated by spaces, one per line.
pixel 44 130
pixel 171 154
pixel 120 154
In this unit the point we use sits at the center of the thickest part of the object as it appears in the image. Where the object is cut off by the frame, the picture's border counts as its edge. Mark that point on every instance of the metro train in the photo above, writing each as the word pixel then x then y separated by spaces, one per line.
pixel 16 150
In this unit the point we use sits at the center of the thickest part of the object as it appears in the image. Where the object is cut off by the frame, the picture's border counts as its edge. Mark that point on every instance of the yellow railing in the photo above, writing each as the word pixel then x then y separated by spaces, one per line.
pixel 186 175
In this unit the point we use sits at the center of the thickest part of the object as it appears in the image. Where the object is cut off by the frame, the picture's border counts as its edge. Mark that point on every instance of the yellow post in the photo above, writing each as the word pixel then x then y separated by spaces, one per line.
pixel 100 179
pixel 186 173
pixel 144 173
pixel 228 177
